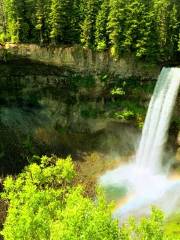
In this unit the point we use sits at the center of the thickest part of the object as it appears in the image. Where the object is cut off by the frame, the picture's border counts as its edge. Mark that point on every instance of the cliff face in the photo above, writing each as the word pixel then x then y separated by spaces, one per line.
pixel 81 59
pixel 82 94
pixel 59 100
pixel 79 75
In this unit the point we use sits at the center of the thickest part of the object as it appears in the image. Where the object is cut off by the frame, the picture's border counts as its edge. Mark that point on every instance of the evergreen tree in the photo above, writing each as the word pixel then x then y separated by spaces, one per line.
pixel 12 20
pixel 134 10
pixel 160 9
pixel 173 31
pixel 64 21
pixel 101 35
pixel 20 8
pixel 146 29
pixel 116 24
pixel 139 29
pixel 167 24
pixel 67 14
pixel 55 20
pixel 2 22
pixel 76 19
pixel 17 28
pixel 89 23
pixel 42 9
pixel 30 20
pixel 146 45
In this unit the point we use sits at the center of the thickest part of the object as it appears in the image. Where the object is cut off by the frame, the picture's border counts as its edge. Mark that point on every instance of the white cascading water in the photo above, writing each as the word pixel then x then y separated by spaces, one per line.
pixel 157 121
pixel 144 178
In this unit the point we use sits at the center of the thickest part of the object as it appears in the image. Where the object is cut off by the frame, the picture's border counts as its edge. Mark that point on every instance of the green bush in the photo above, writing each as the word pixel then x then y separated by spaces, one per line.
pixel 44 204
pixel 172 226
pixel 118 91
pixel 2 38
pixel 124 115
pixel 149 228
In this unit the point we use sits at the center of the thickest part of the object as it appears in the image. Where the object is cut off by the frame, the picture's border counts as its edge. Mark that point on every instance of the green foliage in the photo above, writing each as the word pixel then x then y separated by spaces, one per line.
pixel 41 22
pixel 12 20
pixel 172 227
pixel 132 110
pixel 118 91
pixel 147 29
pixel 115 25
pixel 167 27
pixel 2 38
pixel 78 81
pixel 124 115
pixel 101 35
pixel 35 197
pixel 149 228
pixel 88 111
pixel 89 22
pixel 63 21
pixel 55 19
pixel 83 220
pixel 2 22
pixel 44 204
pixel 131 26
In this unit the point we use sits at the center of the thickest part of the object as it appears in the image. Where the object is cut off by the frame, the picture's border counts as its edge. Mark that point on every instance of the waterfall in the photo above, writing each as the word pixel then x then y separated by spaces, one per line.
pixel 154 135
pixel 144 177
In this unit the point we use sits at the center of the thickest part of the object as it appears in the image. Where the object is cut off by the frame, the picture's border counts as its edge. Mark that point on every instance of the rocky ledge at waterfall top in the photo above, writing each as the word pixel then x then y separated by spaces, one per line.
pixel 81 59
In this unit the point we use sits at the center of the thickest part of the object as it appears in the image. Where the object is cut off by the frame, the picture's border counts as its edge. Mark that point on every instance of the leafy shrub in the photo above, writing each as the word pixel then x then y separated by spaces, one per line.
pixel 101 46
pixel 118 91
pixel 44 204
pixel 172 226
pixel 150 228
pixel 2 38
pixel 124 115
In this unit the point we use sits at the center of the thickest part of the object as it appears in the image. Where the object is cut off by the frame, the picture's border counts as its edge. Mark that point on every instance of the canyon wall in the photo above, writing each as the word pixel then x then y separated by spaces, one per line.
pixel 81 59
pixel 50 96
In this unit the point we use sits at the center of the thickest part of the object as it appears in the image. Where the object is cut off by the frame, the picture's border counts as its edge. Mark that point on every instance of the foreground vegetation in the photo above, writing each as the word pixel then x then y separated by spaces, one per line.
pixel 172 226
pixel 148 29
pixel 45 204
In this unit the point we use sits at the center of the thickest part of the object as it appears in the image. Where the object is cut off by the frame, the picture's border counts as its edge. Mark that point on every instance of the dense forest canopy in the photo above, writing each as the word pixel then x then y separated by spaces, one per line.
pixel 147 28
